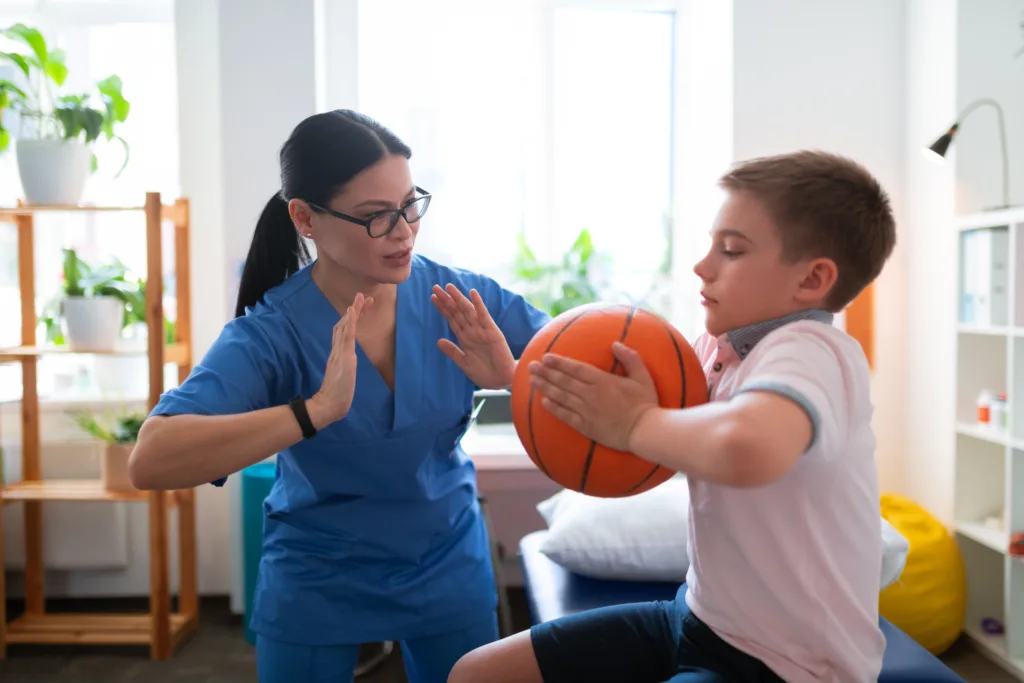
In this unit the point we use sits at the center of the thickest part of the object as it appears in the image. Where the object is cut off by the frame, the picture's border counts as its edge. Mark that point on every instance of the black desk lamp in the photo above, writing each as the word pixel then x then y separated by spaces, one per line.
pixel 937 150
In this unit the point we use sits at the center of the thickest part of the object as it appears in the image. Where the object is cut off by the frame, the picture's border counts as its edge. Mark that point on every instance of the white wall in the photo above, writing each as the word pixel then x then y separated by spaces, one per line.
pixel 931 54
pixel 988 35
pixel 830 75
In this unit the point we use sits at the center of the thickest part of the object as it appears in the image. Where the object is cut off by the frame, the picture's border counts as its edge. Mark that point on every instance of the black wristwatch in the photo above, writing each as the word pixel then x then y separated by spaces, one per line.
pixel 298 406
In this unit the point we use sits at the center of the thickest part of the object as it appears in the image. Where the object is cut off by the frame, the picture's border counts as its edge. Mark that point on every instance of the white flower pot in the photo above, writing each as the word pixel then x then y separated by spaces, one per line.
pixel 53 171
pixel 114 469
pixel 92 323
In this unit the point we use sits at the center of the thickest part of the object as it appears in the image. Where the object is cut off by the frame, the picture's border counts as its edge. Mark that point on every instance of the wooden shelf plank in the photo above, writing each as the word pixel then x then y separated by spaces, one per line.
pixel 91 629
pixel 31 210
pixel 82 490
pixel 168 212
pixel 173 353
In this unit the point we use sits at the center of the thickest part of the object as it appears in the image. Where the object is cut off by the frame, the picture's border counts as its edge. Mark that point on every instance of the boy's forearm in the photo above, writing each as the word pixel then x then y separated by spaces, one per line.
pixel 703 442
pixel 750 440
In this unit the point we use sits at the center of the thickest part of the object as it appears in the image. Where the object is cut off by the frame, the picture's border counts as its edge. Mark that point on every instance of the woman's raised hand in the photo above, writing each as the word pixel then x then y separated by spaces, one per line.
pixel 332 402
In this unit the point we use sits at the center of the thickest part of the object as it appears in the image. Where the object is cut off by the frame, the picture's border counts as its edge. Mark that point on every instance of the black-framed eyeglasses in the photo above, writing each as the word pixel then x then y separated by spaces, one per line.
pixel 381 223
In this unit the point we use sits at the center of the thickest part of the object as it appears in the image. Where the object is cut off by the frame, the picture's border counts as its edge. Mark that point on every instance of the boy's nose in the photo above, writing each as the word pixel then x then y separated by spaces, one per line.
pixel 700 270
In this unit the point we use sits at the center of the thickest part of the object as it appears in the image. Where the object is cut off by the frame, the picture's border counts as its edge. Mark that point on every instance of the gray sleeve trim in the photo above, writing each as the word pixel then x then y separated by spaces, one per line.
pixel 793 395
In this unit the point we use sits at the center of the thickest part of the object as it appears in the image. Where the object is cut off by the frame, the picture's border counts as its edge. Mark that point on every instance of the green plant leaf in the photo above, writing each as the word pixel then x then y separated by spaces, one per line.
pixel 74 270
pixel 77 120
pixel 8 88
pixel 55 66
pixel 5 139
pixel 72 101
pixel 118 107
pixel 30 37
pixel 17 60
pixel 127 153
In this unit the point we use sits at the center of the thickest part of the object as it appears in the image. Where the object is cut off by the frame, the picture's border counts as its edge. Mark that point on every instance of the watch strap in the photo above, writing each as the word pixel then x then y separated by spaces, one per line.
pixel 298 406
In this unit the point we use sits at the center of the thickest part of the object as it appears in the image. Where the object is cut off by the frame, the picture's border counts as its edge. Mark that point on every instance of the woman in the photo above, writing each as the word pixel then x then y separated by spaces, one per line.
pixel 373 531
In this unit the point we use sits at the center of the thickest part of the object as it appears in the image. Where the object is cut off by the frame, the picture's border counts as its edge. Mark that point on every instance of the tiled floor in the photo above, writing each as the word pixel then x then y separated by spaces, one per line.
pixel 219 654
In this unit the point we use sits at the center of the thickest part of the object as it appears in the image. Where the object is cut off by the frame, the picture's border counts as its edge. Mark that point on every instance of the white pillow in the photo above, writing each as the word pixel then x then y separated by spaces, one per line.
pixel 643 537
pixel 894 553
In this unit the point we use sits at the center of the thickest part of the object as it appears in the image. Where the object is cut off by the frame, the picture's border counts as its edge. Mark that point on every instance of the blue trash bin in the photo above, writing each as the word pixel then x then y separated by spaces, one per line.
pixel 257 480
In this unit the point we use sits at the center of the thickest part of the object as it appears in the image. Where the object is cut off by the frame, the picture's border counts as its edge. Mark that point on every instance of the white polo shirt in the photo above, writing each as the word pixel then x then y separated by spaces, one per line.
pixel 789 572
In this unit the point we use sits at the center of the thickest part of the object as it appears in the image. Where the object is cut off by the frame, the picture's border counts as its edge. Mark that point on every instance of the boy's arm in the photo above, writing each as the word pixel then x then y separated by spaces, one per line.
pixel 750 440
pixel 757 435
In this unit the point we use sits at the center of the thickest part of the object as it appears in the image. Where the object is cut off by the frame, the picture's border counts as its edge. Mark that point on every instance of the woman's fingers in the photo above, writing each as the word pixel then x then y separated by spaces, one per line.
pixel 479 309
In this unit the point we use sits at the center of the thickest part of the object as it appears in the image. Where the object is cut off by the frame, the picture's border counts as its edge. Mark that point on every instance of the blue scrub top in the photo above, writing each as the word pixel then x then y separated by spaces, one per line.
pixel 372 529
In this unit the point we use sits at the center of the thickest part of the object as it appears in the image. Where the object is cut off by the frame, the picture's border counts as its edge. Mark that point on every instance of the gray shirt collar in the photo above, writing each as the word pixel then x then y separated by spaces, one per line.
pixel 743 339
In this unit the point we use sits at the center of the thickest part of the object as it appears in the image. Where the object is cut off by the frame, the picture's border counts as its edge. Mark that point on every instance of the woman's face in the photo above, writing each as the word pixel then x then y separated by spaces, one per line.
pixel 387 185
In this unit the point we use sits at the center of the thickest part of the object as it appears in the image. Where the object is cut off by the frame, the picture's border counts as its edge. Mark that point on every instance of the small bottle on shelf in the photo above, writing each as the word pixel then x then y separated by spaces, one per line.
pixel 985 407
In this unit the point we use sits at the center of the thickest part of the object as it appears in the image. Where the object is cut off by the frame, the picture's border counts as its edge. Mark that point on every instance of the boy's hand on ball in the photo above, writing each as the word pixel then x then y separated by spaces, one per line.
pixel 600 405
pixel 482 352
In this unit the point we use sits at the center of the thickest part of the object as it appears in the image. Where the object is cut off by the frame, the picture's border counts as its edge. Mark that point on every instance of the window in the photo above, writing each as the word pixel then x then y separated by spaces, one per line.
pixel 532 118
pixel 135 40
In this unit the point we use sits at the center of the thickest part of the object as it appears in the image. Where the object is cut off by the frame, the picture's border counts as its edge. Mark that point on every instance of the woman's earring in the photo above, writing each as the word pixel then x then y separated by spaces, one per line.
pixel 309 235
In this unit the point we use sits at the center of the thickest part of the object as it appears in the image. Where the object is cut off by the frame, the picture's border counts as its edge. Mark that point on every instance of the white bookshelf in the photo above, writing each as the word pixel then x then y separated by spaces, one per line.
pixel 989 489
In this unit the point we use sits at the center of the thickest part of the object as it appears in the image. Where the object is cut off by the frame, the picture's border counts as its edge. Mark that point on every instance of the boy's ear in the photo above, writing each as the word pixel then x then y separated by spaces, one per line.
pixel 819 278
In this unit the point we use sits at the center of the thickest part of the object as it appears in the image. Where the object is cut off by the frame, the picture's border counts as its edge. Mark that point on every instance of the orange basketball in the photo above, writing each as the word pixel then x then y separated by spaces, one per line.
pixel 586 333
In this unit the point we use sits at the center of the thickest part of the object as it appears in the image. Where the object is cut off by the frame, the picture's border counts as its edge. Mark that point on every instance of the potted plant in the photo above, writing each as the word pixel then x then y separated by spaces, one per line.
pixel 56 130
pixel 95 303
pixel 120 440
pixel 555 288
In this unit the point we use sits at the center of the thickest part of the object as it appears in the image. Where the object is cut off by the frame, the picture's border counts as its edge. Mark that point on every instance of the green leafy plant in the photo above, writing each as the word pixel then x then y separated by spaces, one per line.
pixel 82 279
pixel 52 113
pixel 555 288
pixel 120 430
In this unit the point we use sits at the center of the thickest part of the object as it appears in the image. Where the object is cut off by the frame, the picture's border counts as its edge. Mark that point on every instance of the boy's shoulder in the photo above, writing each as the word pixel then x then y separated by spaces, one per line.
pixel 818 360
pixel 812 338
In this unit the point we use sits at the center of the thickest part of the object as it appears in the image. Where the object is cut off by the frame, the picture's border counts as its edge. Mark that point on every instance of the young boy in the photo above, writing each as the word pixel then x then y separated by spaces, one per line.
pixel 784 543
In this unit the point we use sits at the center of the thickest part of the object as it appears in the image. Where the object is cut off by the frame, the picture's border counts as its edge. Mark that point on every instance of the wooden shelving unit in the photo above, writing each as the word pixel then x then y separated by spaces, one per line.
pixel 989 470
pixel 160 628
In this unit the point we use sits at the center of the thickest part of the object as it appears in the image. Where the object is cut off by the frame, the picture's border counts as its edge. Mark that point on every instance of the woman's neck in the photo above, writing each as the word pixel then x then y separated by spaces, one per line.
pixel 340 286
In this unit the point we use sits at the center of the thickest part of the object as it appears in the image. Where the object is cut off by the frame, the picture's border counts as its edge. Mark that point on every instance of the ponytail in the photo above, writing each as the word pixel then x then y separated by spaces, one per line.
pixel 277 251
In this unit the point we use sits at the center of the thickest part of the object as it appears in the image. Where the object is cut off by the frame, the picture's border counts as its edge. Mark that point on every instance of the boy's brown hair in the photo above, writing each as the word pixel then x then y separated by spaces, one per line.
pixel 824 205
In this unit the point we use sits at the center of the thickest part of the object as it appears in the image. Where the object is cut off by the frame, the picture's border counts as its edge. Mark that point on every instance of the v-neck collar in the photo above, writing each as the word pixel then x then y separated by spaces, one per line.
pixel 404 399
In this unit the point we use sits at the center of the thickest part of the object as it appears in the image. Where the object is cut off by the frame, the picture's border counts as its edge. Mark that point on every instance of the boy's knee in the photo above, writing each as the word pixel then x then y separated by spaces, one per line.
pixel 510 660
pixel 467 668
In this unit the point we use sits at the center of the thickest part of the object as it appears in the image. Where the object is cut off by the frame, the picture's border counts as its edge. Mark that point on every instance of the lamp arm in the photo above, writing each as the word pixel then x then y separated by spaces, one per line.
pixel 1002 138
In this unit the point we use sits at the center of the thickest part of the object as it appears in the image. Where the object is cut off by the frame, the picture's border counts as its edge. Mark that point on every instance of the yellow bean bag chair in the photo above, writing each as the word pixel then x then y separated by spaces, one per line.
pixel 929 599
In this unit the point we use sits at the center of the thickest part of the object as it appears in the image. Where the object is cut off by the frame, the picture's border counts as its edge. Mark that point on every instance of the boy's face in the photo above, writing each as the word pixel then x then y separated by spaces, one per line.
pixel 744 278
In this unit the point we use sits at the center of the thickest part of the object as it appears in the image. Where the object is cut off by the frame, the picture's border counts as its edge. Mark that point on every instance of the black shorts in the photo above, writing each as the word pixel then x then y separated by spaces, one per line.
pixel 648 642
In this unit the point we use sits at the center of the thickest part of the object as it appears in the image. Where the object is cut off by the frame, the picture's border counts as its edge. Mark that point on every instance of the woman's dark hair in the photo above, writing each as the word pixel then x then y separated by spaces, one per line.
pixel 322 154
